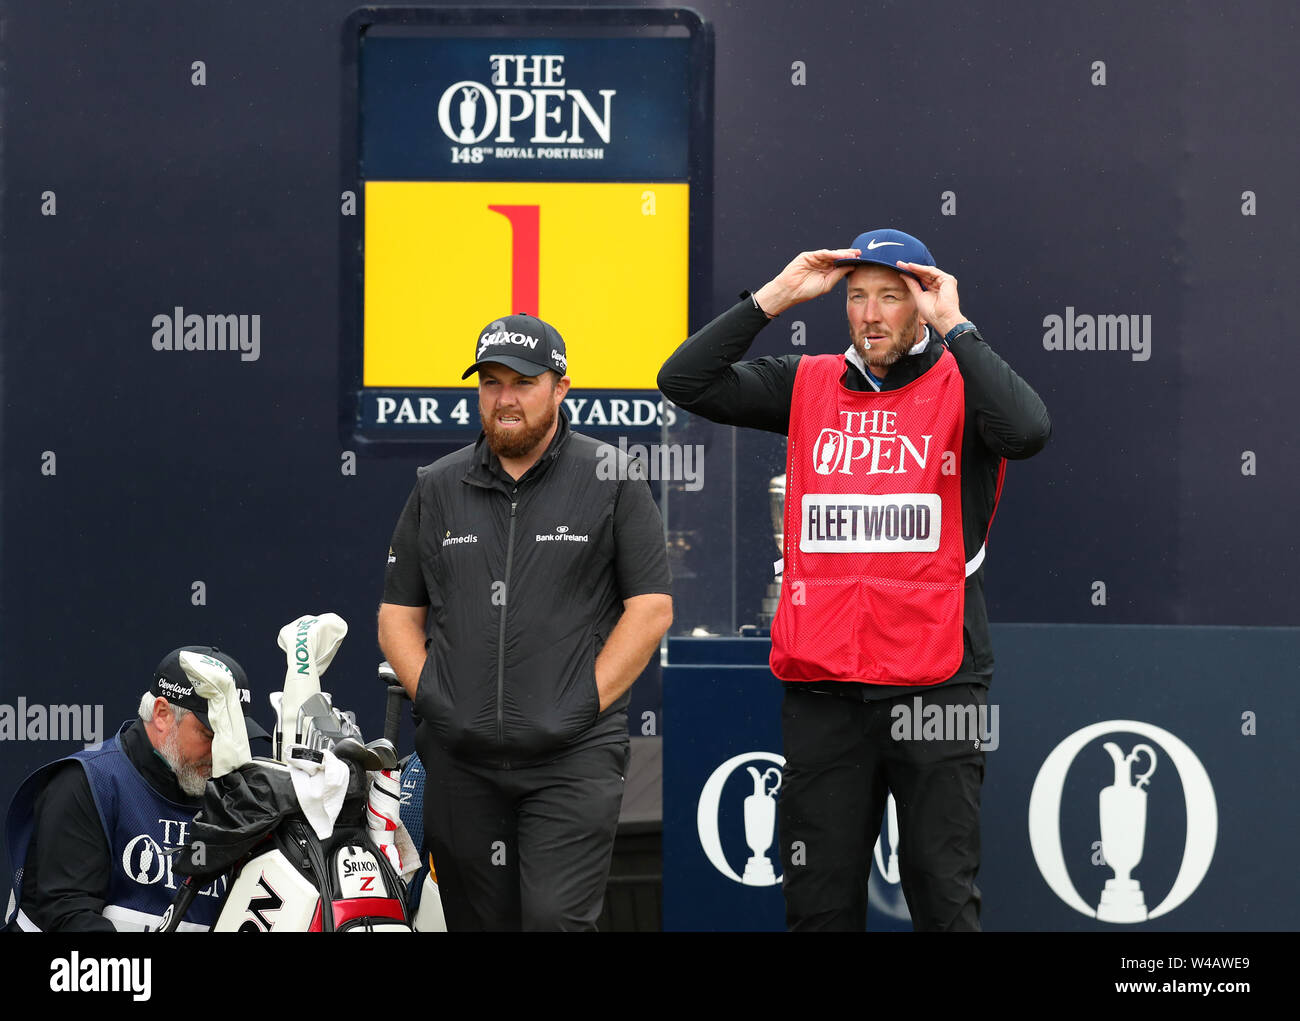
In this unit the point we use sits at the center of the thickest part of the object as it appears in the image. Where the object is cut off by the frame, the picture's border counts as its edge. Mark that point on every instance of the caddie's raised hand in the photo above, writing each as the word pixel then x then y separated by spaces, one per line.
pixel 809 275
pixel 938 302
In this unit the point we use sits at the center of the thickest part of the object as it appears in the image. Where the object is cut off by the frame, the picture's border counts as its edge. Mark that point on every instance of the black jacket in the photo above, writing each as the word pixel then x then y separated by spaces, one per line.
pixel 524 581
pixel 1005 418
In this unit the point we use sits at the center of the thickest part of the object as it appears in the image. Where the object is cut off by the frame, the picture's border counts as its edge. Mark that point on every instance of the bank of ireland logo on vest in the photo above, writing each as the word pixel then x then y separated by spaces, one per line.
pixel 754 796
pixel 1154 765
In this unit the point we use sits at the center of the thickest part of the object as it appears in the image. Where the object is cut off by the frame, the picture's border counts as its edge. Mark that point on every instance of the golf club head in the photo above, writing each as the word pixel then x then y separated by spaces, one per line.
pixel 312 737
pixel 334 726
pixel 317 704
pixel 385 752
pixel 352 750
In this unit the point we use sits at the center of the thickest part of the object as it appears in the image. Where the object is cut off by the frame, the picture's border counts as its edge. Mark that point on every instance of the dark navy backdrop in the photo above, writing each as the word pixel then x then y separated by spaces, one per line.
pixel 979 129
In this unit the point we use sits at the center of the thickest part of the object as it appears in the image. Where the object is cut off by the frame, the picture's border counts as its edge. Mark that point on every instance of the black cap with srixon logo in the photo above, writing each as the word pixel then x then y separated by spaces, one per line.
pixel 520 342
pixel 172 682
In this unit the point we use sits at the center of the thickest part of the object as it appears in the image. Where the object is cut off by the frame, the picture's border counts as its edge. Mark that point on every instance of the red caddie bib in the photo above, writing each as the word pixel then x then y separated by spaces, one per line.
pixel 875 568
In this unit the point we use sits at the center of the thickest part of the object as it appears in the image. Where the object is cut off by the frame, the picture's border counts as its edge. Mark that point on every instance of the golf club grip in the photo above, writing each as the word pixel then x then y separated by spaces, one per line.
pixel 393 713
pixel 179 905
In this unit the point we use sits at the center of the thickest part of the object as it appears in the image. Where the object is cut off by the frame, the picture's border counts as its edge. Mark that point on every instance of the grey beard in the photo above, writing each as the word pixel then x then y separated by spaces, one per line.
pixel 188 777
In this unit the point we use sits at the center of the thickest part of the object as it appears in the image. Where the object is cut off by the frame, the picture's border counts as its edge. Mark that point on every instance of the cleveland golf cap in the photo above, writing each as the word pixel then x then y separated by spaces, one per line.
pixel 172 682
pixel 886 246
pixel 520 342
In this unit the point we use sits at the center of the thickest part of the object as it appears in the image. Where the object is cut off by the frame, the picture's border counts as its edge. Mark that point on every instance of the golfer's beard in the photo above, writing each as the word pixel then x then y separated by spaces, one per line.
pixel 882 356
pixel 188 775
pixel 517 442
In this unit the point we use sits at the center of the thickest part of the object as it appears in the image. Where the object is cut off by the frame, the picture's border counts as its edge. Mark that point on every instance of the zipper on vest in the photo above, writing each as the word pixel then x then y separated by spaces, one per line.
pixel 501 640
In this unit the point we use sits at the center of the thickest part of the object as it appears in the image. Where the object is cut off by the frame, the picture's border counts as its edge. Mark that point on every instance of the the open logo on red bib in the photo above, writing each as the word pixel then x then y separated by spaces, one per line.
pixel 875 565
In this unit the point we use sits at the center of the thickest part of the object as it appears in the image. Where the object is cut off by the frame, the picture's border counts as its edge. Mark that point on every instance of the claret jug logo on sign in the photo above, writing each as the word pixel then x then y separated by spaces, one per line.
pixel 527 92
pixel 1119 812
pixel 759 815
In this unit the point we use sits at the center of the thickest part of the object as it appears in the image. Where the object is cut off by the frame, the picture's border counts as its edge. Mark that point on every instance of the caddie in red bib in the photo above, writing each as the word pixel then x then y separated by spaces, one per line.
pixel 896 452
pixel 873 530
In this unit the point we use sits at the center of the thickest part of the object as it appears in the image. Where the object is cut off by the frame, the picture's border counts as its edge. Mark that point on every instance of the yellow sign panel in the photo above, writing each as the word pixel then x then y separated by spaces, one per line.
pixel 605 264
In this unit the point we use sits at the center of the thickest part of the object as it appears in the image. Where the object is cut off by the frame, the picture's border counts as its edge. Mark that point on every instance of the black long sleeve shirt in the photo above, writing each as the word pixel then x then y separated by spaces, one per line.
pixel 1005 418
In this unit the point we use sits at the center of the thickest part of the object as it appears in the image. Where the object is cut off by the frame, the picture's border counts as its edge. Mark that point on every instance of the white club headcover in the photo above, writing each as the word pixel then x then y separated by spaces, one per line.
pixel 430 917
pixel 384 820
pixel 309 645
pixel 213 680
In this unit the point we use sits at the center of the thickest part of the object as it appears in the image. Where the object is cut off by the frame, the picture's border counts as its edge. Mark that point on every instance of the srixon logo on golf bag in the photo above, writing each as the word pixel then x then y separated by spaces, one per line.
pixel 301 884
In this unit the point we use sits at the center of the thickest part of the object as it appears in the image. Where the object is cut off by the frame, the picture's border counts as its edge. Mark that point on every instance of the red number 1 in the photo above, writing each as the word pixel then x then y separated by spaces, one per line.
pixel 525 231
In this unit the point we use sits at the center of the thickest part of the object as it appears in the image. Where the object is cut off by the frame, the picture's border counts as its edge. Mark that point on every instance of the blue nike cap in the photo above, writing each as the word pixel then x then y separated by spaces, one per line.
pixel 885 247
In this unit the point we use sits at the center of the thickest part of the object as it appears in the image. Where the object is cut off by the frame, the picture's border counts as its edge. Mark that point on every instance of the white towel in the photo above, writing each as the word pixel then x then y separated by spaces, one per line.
pixel 320 787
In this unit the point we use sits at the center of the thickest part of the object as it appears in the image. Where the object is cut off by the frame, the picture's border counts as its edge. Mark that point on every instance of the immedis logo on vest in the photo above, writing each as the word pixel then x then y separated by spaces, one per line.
pixel 1119 810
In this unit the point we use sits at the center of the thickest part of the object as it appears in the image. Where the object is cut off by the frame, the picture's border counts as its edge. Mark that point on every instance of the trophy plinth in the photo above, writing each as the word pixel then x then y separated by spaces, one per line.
pixel 1122 901
pixel 759 872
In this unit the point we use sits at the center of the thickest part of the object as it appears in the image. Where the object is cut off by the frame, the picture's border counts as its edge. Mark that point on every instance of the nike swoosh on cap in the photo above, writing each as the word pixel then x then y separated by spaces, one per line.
pixel 873 244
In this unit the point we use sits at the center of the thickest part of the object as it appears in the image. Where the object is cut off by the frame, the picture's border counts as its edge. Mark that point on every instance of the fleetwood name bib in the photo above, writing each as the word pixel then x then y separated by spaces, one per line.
pixel 875 569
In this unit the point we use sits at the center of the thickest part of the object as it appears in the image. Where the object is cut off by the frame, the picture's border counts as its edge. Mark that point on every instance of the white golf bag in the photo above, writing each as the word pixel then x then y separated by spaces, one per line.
pixel 312 838
pixel 295 881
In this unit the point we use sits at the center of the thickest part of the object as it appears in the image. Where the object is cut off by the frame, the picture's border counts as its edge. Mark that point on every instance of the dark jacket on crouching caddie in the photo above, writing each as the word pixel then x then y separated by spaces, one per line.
pixel 132 870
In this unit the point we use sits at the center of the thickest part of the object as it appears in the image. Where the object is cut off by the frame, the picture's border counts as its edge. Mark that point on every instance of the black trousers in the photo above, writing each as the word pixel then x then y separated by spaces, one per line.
pixel 842 761
pixel 523 848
